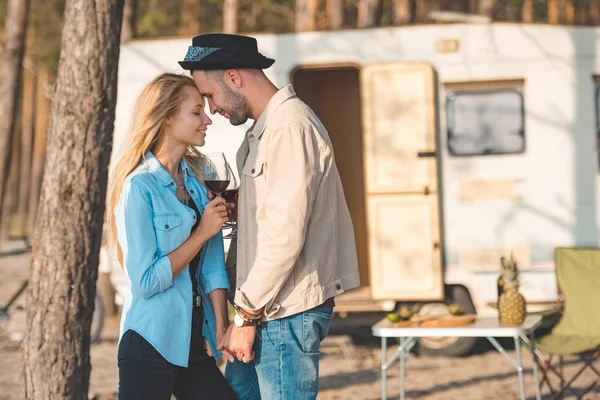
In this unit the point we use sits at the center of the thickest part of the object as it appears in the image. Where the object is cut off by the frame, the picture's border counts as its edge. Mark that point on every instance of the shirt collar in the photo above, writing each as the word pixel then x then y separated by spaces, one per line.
pixel 159 172
pixel 278 99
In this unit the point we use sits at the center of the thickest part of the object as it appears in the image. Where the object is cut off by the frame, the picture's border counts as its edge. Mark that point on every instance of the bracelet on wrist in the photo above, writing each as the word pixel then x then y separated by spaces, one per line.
pixel 246 315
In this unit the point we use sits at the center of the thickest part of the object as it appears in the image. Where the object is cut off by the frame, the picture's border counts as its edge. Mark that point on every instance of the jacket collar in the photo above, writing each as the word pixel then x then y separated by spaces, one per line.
pixel 159 172
pixel 283 94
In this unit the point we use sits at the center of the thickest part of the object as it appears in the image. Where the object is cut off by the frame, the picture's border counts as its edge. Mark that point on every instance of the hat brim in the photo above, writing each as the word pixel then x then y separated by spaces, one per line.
pixel 262 63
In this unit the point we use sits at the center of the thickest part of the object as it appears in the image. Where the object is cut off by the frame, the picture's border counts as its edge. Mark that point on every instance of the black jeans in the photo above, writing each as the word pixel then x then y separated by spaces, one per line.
pixel 145 375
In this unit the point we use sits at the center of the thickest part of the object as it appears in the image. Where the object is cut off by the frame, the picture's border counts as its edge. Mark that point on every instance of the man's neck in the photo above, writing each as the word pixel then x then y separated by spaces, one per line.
pixel 261 96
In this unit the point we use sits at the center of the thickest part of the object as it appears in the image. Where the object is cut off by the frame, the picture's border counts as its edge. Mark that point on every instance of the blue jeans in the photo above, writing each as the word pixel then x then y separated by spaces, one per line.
pixel 286 363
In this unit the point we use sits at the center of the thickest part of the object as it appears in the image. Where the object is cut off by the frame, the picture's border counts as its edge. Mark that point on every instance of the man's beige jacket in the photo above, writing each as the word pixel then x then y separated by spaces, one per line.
pixel 295 246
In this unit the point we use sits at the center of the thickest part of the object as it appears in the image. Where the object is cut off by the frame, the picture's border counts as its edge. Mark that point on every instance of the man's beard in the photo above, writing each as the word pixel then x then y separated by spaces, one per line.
pixel 237 107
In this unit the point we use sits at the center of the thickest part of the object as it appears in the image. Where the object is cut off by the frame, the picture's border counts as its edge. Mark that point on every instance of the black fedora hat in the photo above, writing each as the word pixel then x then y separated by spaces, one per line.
pixel 224 51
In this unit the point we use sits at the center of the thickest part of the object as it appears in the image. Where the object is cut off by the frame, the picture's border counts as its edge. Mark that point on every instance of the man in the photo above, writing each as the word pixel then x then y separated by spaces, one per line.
pixel 295 246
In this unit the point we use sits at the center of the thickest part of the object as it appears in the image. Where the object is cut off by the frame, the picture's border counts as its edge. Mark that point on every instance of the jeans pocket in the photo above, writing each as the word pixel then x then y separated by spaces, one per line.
pixel 321 312
pixel 315 326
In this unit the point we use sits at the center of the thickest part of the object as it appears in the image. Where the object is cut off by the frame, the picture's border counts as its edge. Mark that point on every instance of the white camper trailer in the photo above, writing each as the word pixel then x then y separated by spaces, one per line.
pixel 456 144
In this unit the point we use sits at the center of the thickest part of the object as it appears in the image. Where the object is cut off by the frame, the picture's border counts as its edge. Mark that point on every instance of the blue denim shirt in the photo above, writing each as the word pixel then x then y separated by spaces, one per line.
pixel 151 223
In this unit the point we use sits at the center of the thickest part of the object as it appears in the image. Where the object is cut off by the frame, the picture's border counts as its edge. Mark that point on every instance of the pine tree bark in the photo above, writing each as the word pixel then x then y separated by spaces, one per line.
pixel 129 27
pixel 305 15
pixel 68 232
pixel 423 8
pixel 527 11
pixel 486 7
pixel 569 12
pixel 335 14
pixel 230 11
pixel 11 195
pixel 553 12
pixel 594 12
pixel 366 13
pixel 27 131
pixel 15 30
pixel 402 12
pixel 39 148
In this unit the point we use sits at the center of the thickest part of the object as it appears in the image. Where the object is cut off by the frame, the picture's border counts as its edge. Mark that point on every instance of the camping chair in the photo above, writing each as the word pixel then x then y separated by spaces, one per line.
pixel 578 331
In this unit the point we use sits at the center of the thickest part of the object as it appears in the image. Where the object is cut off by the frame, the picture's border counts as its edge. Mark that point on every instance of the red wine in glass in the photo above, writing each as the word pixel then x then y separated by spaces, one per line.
pixel 216 186
pixel 217 173
pixel 230 195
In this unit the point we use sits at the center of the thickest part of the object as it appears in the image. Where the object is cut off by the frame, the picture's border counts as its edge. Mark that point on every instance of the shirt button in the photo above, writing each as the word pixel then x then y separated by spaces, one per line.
pixel 253 170
pixel 338 286
pixel 191 191
pixel 166 226
pixel 206 321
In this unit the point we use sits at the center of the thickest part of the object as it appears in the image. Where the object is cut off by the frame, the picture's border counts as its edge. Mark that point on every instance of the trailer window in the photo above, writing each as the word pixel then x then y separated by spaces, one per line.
pixel 485 122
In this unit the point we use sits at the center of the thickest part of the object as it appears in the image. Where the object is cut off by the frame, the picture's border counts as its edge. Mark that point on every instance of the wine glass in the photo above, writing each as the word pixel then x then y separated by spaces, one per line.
pixel 217 173
pixel 220 179
pixel 230 195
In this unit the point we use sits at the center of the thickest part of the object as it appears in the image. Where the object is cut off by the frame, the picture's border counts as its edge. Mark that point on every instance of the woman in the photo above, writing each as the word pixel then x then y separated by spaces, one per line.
pixel 163 222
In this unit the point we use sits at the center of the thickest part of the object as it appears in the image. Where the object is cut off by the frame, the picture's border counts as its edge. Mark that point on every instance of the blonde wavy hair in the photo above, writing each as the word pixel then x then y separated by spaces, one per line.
pixel 159 101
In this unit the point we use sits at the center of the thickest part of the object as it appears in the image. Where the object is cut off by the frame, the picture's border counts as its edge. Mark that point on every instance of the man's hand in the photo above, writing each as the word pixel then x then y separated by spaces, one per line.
pixel 239 341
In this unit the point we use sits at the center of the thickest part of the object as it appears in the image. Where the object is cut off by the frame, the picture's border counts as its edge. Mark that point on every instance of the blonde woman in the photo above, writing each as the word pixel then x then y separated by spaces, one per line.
pixel 169 241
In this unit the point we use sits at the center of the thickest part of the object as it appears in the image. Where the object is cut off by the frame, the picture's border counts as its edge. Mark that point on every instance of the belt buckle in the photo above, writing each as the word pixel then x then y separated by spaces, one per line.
pixel 197 300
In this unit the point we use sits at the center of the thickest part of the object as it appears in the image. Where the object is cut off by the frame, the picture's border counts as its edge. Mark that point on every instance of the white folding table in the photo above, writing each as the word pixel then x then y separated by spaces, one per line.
pixel 487 327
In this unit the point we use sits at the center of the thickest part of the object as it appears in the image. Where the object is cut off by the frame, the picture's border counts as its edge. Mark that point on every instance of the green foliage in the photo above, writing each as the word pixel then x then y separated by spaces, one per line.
pixel 155 23
pixel 3 11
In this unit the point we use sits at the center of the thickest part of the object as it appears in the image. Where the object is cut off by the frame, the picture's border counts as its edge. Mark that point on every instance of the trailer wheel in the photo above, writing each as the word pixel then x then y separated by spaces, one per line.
pixel 447 346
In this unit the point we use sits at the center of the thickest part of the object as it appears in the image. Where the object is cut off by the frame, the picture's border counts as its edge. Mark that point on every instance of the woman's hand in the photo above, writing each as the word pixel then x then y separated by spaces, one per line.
pixel 221 331
pixel 213 218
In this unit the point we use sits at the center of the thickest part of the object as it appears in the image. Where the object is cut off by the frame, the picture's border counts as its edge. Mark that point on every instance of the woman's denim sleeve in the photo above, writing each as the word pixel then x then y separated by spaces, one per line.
pixel 213 273
pixel 149 273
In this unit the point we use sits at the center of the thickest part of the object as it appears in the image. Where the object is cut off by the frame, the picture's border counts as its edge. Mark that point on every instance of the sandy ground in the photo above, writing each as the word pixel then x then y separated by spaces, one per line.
pixel 482 375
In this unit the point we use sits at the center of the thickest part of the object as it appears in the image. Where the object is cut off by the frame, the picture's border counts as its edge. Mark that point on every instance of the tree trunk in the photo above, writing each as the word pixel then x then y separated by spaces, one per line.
pixel 486 7
pixel 62 283
pixel 189 18
pixel 27 126
pixel 569 12
pixel 366 13
pixel 15 30
pixel 39 148
pixel 553 14
pixel 129 15
pixel 11 194
pixel 424 7
pixel 305 15
pixel 335 14
pixel 594 12
pixel 527 11
pixel 402 12
pixel 230 21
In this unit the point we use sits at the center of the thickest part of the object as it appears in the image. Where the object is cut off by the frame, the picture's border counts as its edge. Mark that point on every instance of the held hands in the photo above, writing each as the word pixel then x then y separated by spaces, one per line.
pixel 213 218
pixel 239 341
pixel 221 332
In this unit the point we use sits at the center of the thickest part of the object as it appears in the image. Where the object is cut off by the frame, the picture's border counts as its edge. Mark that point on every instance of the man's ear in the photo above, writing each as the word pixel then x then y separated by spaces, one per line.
pixel 233 78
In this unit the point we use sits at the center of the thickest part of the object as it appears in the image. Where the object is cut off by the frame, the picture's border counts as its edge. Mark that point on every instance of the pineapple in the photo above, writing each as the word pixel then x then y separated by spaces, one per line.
pixel 511 304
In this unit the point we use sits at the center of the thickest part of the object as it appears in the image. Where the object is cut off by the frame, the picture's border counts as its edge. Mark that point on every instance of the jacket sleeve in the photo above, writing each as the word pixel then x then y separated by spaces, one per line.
pixel 213 273
pixel 148 273
pixel 295 169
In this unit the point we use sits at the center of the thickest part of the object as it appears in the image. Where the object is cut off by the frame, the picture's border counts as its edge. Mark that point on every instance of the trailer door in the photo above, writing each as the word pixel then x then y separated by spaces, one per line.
pixel 401 180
